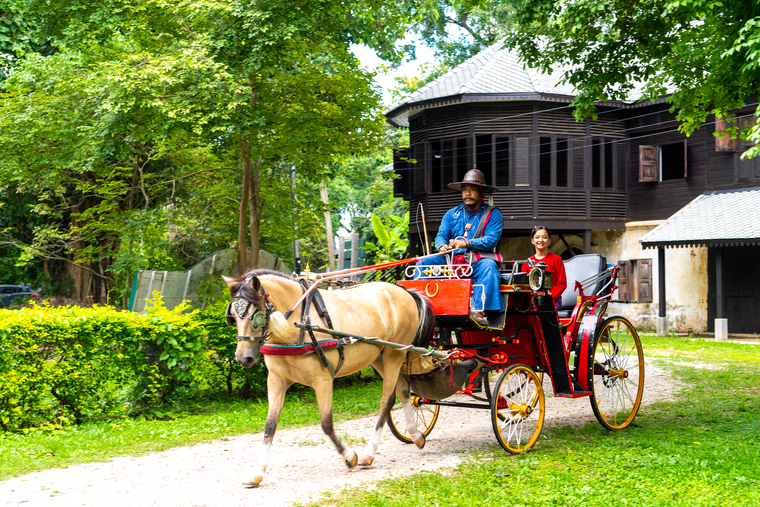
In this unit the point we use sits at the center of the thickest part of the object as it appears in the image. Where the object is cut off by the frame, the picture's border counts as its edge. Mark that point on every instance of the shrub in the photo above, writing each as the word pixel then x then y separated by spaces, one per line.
pixel 64 365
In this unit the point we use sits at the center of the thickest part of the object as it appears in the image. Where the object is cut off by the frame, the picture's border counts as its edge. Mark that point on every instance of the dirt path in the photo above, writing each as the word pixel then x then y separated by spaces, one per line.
pixel 303 465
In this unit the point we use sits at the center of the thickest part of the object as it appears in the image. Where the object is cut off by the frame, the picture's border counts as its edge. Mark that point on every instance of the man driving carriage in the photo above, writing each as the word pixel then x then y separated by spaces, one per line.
pixel 476 227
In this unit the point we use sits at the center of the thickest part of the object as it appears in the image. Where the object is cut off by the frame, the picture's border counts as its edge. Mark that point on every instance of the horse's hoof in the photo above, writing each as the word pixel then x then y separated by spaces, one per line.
pixel 420 441
pixel 254 483
pixel 350 459
pixel 365 461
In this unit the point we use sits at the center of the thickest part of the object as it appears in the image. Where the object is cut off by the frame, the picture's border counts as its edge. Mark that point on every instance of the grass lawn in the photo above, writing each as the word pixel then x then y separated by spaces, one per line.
pixel 192 424
pixel 701 450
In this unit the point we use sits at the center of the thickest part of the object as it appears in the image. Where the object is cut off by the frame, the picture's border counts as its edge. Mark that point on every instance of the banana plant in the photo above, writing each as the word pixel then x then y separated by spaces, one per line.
pixel 391 242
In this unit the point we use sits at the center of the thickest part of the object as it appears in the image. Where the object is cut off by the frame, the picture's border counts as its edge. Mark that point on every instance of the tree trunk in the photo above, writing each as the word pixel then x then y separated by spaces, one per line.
pixel 256 206
pixel 244 198
pixel 255 220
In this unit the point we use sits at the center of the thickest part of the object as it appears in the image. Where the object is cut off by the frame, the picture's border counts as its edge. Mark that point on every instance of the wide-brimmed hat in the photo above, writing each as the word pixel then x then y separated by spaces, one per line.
pixel 473 177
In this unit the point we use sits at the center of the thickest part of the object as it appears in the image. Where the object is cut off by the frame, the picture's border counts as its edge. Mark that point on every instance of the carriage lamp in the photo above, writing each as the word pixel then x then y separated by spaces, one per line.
pixel 539 278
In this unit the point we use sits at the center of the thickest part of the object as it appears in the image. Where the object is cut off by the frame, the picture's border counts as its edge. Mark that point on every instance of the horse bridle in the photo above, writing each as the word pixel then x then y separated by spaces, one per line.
pixel 259 317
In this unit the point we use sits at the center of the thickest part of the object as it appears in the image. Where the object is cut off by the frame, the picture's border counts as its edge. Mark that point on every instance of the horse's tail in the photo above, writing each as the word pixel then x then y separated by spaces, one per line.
pixel 426 325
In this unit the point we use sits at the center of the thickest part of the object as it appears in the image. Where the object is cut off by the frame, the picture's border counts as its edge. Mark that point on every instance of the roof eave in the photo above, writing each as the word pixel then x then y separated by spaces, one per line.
pixel 702 242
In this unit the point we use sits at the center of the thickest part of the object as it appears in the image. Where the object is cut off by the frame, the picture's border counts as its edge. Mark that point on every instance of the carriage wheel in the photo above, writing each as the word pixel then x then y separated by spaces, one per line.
pixel 425 416
pixel 517 409
pixel 618 380
pixel 490 379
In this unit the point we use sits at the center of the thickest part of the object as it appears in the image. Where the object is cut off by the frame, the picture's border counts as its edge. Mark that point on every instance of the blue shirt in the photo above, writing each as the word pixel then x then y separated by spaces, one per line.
pixel 456 219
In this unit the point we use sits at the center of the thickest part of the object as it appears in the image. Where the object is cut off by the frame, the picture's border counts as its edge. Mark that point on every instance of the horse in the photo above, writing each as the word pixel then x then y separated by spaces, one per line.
pixel 377 309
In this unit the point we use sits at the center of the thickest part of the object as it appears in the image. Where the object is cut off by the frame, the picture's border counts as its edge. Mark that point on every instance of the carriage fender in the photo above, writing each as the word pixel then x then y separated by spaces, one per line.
pixel 584 364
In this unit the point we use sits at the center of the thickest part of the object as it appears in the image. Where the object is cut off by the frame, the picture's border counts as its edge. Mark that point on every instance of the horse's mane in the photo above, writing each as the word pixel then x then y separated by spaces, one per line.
pixel 242 288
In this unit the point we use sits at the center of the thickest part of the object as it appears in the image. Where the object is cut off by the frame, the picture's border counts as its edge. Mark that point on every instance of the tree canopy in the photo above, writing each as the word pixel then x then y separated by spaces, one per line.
pixel 155 112
pixel 704 53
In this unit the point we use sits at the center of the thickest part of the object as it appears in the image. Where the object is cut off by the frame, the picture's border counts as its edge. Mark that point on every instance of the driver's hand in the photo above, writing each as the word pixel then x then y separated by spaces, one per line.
pixel 457 243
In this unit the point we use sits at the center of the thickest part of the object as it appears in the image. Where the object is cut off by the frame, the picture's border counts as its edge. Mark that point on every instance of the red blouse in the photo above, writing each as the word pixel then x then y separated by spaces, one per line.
pixel 556 267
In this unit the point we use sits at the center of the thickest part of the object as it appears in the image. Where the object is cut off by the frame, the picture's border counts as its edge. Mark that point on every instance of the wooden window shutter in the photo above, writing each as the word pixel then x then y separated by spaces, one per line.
pixel 724 142
pixel 644 279
pixel 624 286
pixel 522 161
pixel 649 163
pixel 745 123
pixel 685 152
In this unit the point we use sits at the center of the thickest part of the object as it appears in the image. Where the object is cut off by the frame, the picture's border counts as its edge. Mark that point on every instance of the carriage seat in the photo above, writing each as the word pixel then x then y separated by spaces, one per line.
pixel 520 278
pixel 580 267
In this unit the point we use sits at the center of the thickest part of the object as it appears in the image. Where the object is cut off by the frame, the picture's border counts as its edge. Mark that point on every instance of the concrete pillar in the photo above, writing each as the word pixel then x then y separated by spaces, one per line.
pixel 721 329
pixel 662 319
pixel 662 326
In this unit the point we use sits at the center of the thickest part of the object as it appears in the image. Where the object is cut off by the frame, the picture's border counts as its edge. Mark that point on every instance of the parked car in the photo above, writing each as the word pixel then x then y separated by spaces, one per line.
pixel 14 293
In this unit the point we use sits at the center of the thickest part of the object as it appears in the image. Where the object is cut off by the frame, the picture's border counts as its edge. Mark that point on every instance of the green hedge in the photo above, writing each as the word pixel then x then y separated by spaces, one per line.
pixel 62 366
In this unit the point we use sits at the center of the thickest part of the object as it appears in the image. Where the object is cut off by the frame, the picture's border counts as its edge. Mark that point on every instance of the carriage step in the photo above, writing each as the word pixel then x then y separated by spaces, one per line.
pixel 578 390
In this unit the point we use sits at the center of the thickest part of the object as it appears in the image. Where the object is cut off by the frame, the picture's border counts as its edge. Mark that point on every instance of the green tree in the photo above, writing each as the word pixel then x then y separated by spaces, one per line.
pixel 704 53
pixel 92 141
pixel 275 83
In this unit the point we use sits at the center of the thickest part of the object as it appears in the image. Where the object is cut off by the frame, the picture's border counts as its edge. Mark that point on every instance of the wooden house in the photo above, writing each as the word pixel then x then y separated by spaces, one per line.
pixel 600 185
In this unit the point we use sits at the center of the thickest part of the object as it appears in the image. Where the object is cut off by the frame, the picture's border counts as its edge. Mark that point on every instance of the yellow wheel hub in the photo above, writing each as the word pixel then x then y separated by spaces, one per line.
pixel 523 409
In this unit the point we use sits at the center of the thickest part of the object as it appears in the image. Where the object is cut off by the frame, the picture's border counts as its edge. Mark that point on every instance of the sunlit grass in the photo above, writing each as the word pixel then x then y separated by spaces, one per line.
pixel 189 424
pixel 703 449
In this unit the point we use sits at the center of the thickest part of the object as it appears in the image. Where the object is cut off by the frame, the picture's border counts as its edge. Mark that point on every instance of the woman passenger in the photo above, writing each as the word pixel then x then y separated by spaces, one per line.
pixel 541 239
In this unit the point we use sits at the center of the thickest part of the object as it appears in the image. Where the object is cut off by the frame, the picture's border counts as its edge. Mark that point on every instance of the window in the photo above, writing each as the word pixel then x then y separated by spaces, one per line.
pixel 635 280
pixel 484 156
pixel 562 165
pixel 608 163
pixel 545 161
pixel 448 157
pixel 501 161
pixel 553 163
pixel 663 162
pixel 596 163
pixel 418 168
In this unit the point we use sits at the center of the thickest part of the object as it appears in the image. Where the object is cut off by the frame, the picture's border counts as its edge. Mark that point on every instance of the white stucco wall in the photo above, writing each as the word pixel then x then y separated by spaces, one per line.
pixel 685 272
pixel 685 278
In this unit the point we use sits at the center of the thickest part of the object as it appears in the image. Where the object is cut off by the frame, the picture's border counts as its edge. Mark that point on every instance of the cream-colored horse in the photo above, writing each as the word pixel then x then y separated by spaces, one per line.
pixel 377 309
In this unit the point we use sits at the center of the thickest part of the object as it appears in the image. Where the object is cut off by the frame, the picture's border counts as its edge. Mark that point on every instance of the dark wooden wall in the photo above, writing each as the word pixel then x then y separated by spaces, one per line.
pixel 707 168
pixel 528 122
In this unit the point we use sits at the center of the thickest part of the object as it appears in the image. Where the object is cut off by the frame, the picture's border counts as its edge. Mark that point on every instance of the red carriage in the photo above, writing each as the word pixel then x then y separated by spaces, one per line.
pixel 584 352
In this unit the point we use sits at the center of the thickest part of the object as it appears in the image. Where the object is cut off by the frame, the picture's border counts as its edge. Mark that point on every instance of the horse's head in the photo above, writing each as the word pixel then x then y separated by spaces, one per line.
pixel 250 312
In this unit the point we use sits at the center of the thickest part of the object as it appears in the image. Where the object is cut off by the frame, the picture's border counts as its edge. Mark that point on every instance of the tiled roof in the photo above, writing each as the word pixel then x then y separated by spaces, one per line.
pixel 495 72
pixel 724 218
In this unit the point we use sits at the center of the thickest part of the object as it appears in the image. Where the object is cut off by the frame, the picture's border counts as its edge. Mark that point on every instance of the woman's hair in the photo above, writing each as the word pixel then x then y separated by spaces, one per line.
pixel 540 228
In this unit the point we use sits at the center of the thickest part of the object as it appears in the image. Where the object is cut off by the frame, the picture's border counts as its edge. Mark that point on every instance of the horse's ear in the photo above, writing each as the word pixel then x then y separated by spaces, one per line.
pixel 255 284
pixel 229 281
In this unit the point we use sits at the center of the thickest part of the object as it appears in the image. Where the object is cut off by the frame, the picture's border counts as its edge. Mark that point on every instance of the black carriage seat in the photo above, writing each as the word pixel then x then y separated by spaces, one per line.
pixel 505 270
pixel 580 267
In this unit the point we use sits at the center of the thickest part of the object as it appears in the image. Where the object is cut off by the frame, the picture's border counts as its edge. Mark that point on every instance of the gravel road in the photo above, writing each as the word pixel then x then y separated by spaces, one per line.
pixel 303 464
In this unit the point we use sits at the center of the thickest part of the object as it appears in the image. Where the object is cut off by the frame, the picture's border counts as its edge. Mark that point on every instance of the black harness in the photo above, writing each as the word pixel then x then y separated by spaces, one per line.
pixel 260 319
pixel 316 298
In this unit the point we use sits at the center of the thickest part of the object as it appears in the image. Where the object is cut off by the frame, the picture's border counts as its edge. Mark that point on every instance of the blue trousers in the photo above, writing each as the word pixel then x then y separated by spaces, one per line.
pixel 485 279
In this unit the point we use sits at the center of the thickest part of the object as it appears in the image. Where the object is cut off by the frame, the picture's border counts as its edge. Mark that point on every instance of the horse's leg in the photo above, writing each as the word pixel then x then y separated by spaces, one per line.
pixel 404 393
pixel 324 391
pixel 389 366
pixel 276 388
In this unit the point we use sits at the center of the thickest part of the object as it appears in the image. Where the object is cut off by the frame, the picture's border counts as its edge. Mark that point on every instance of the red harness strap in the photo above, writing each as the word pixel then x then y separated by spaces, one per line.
pixel 295 350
